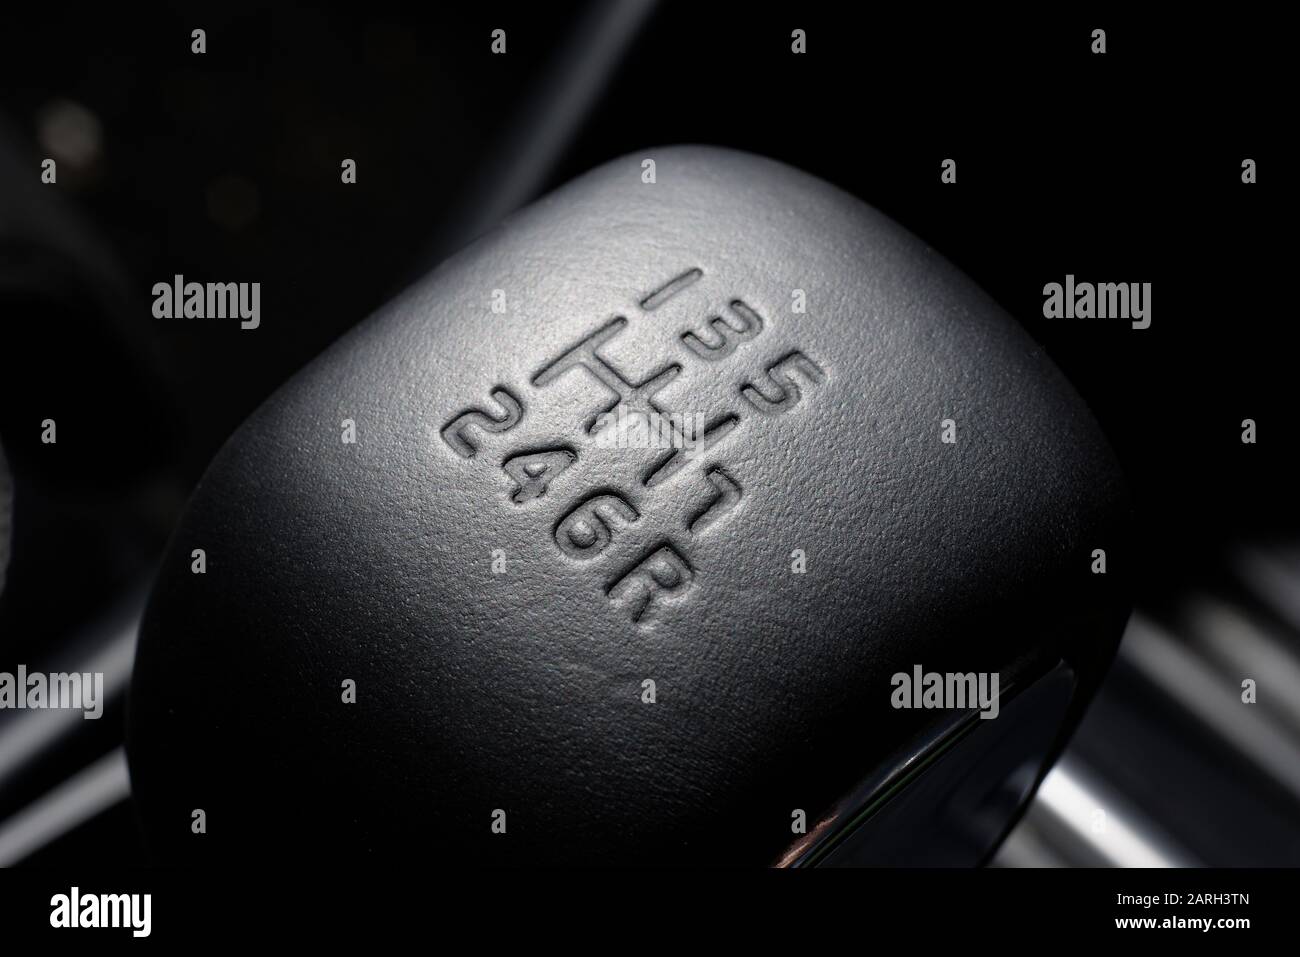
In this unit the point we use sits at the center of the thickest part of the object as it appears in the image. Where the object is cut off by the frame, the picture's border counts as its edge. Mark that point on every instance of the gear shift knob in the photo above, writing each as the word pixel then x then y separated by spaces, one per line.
pixel 705 516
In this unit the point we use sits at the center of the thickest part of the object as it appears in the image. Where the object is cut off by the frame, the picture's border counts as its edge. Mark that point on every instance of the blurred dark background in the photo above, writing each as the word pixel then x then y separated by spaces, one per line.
pixel 225 167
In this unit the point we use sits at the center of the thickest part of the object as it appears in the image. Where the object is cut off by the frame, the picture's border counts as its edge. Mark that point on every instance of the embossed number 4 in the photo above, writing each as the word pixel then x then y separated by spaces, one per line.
pixel 533 472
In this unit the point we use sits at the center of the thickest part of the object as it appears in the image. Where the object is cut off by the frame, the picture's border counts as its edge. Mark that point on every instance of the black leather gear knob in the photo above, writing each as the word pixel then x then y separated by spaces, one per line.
pixel 634 534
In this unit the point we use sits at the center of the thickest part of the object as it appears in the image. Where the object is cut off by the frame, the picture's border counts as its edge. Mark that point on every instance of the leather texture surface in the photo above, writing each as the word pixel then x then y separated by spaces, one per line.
pixel 523 690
